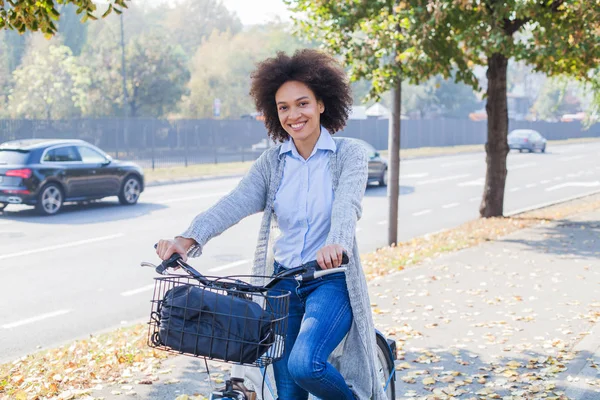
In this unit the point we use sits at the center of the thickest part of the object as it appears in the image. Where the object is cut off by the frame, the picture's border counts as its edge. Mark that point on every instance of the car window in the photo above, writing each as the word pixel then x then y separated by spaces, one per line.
pixel 370 149
pixel 519 134
pixel 89 155
pixel 10 156
pixel 62 154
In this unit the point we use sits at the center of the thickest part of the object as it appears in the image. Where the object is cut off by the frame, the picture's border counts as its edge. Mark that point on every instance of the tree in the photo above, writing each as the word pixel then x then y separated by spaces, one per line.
pixel 555 36
pixel 419 99
pixel 555 100
pixel 5 77
pixel 370 37
pixel 45 83
pixel 70 28
pixel 456 100
pixel 27 15
pixel 193 21
pixel 222 66
pixel 15 48
pixel 156 77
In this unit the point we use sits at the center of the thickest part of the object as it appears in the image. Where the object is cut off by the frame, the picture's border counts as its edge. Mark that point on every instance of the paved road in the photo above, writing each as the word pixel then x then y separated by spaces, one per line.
pixel 77 273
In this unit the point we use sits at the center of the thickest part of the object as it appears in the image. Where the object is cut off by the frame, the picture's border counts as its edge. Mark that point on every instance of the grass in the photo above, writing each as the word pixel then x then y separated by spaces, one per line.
pixel 70 371
pixel 192 171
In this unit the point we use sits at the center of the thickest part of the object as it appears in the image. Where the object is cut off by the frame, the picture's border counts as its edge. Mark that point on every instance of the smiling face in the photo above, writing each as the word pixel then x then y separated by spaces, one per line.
pixel 299 112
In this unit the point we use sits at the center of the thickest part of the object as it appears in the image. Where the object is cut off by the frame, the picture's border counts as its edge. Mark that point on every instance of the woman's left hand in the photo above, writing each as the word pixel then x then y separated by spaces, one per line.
pixel 330 256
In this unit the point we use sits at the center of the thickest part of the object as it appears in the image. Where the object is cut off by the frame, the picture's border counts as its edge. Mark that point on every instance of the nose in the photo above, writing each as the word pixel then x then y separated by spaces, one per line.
pixel 295 113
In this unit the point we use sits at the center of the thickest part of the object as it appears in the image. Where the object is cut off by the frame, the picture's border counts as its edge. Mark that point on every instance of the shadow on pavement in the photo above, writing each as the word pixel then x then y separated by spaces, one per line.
pixel 73 214
pixel 527 376
pixel 579 239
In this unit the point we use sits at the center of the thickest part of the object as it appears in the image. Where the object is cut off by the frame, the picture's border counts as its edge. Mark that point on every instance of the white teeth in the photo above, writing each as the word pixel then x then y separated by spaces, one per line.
pixel 296 126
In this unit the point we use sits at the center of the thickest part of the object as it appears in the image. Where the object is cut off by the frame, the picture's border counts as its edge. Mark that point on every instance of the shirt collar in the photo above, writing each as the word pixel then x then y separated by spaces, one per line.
pixel 325 143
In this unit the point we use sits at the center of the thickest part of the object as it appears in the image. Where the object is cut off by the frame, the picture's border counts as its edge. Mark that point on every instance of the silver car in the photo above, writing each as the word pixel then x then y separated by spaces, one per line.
pixel 526 140
pixel 378 166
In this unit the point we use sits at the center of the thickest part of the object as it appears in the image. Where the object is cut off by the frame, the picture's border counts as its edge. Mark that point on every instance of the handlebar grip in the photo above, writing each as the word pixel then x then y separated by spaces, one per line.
pixel 345 259
pixel 171 262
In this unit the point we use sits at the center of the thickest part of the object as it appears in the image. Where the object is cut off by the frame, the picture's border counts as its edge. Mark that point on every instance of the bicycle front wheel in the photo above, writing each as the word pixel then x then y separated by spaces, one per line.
pixel 385 369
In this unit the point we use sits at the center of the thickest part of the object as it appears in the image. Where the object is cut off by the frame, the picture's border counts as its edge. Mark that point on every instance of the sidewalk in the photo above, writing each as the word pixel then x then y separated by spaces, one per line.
pixel 509 320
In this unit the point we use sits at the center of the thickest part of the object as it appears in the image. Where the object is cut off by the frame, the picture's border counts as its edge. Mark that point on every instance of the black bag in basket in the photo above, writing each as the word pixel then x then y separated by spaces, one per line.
pixel 205 323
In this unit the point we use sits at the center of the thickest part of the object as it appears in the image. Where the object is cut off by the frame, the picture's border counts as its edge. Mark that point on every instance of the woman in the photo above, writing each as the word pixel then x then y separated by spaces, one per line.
pixel 310 188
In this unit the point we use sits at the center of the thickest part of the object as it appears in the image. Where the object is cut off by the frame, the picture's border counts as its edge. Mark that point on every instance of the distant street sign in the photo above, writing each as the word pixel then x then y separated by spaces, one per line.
pixel 217 108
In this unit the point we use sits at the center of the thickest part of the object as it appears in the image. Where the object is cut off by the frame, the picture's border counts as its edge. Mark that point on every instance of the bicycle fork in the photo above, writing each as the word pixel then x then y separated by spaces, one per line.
pixel 234 387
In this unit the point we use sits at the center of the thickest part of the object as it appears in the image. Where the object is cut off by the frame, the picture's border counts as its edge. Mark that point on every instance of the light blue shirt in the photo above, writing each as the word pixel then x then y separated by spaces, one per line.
pixel 303 202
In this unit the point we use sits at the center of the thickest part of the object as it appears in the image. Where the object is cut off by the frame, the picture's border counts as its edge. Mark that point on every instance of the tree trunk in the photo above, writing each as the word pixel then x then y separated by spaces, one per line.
pixel 492 204
pixel 394 162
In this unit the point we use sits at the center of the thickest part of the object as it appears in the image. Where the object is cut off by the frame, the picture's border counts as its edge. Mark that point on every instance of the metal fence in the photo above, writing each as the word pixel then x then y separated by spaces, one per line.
pixel 158 143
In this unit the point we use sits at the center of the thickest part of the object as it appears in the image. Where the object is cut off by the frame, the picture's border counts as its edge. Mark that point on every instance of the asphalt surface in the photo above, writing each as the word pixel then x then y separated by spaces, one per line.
pixel 77 273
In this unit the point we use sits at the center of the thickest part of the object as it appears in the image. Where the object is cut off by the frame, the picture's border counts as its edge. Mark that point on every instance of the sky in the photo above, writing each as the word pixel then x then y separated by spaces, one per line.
pixel 258 11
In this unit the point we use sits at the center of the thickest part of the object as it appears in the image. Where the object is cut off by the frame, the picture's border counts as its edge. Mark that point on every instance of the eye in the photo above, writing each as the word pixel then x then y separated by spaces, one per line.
pixel 303 103
pixel 282 108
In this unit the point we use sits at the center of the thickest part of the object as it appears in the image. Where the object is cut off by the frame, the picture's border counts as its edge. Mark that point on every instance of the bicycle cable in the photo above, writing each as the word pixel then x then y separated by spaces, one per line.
pixel 263 382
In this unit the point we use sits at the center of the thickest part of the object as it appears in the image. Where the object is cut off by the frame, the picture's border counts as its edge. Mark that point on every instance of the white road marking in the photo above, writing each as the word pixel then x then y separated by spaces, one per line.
pixel 466 162
pixel 531 185
pixel 35 319
pixel 515 189
pixel 472 199
pixel 61 246
pixel 227 266
pixel 451 205
pixel 200 196
pixel 136 291
pixel 519 166
pixel 545 181
pixel 476 182
pixel 409 176
pixel 573 184
pixel 571 158
pixel 419 213
pixel 446 178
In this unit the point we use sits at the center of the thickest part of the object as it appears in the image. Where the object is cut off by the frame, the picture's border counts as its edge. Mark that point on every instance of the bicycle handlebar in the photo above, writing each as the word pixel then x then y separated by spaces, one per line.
pixel 305 272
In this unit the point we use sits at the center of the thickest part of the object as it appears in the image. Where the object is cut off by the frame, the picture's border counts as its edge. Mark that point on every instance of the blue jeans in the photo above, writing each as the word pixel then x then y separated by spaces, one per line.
pixel 320 317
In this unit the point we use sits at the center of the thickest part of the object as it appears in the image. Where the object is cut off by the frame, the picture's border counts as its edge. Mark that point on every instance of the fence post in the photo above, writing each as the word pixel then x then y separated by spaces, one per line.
pixel 214 137
pixel 185 143
pixel 117 139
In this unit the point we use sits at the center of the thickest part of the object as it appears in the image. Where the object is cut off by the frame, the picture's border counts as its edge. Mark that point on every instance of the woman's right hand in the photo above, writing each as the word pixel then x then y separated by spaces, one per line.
pixel 167 247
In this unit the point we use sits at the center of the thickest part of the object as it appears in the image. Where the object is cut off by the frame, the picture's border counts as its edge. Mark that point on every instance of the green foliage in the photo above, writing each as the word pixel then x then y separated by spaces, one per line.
pixel 222 66
pixel 41 15
pixel 156 76
pixel 45 86
pixel 449 37
pixel 193 21
pixel 555 100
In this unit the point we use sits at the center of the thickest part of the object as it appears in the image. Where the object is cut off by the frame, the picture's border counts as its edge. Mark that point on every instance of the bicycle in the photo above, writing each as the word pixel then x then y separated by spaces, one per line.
pixel 256 319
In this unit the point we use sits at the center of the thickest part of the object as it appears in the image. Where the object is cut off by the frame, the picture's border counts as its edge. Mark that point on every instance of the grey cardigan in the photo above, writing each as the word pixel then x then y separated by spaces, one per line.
pixel 355 356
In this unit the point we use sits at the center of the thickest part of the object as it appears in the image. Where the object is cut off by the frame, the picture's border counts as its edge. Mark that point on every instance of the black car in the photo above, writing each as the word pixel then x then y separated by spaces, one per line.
pixel 46 173
pixel 378 166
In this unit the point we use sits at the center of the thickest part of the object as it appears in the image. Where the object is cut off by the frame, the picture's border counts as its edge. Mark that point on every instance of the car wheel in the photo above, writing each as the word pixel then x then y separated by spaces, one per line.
pixel 521 150
pixel 3 206
pixel 383 181
pixel 130 191
pixel 50 200
pixel 544 149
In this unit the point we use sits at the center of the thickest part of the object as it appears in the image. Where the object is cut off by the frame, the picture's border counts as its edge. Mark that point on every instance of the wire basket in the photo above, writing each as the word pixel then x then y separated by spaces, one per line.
pixel 223 324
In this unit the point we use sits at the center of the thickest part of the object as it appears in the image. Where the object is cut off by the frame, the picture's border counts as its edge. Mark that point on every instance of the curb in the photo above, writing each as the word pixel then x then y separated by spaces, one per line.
pixel 191 180
pixel 589 344
pixel 551 203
